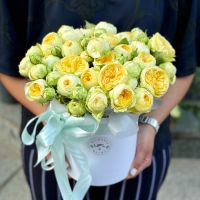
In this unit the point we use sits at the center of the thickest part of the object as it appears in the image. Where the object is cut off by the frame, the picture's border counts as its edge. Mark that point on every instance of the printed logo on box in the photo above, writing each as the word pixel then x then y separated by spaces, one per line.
pixel 99 145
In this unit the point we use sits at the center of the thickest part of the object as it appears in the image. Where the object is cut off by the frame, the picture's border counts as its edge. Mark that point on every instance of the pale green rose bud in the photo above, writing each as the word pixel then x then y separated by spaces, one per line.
pixel 161 48
pixel 139 47
pixel 133 83
pixel 122 98
pixel 50 61
pixel 79 93
pixel 176 112
pixel 144 101
pixel 107 26
pixel 71 47
pixel 84 55
pixel 125 50
pixel 76 108
pixel 145 60
pixel 56 51
pixel 74 34
pixel 97 47
pixel 133 69
pixel 38 71
pixel 124 36
pixel 173 80
pixel 67 83
pixel 96 102
pixel 34 90
pixel 24 66
pixel 35 50
pixel 138 35
pixel 170 69
pixel 51 44
pixel 35 59
pixel 99 32
pixel 48 94
pixel 52 78
pixel 89 32
pixel 111 38
pixel 35 54
pixel 120 58
pixel 63 29
pixel 84 42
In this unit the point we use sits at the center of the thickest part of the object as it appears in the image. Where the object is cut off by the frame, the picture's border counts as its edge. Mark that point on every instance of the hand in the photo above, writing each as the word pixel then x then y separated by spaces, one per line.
pixel 144 150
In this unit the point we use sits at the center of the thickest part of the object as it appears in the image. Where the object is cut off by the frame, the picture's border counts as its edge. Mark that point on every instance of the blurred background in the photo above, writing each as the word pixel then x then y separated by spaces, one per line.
pixel 183 179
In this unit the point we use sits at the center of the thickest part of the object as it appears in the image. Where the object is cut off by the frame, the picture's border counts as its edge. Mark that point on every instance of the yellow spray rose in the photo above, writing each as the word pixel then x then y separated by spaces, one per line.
pixel 108 58
pixel 71 47
pixel 161 48
pixel 89 78
pixel 67 83
pixel 34 90
pixel 124 50
pixel 72 64
pixel 64 65
pixel 156 80
pixel 111 75
pixel 111 38
pixel 144 101
pixel 122 98
pixel 80 65
pixel 96 102
pixel 145 60
pixel 51 44
pixel 98 47
pixel 139 47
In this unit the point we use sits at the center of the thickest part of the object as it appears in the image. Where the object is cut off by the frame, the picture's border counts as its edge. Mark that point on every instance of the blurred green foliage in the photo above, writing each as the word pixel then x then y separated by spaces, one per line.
pixel 192 100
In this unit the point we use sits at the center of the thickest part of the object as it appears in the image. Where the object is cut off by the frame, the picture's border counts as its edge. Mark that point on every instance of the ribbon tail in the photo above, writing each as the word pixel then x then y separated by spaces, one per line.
pixel 84 181
pixel 60 169
pixel 28 138
pixel 42 152
pixel 82 186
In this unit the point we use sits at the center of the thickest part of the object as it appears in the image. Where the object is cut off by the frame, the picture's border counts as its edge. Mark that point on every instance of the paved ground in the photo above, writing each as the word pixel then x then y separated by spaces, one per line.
pixel 183 180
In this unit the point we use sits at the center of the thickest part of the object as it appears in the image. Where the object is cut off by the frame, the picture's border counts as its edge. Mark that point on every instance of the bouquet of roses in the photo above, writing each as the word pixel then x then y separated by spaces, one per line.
pixel 84 73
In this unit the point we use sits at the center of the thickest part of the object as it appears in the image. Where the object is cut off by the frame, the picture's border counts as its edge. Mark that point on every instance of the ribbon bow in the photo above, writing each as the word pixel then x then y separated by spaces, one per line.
pixel 59 138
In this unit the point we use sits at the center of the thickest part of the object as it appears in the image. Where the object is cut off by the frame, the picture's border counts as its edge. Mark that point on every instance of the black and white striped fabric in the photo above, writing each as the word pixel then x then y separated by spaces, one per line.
pixel 144 187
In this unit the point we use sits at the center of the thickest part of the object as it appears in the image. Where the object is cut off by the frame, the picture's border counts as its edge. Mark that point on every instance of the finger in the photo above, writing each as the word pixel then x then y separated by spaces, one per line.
pixel 135 171
pixel 48 156
pixel 137 163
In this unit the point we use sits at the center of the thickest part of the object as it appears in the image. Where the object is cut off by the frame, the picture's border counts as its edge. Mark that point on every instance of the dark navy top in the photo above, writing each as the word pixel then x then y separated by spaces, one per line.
pixel 25 22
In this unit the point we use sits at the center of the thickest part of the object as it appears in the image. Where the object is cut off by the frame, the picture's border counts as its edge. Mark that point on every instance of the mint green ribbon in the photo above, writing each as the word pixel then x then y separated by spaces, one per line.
pixel 59 137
